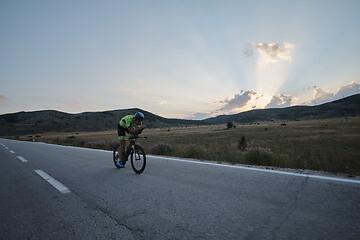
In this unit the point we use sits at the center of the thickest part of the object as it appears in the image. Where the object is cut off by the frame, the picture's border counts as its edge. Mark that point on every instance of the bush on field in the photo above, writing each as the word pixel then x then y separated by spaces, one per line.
pixel 113 145
pixel 93 144
pixel 242 144
pixel 193 151
pixel 161 148
pixel 258 156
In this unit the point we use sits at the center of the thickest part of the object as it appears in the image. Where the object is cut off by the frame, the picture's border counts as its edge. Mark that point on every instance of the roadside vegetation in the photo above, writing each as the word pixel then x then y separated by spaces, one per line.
pixel 324 145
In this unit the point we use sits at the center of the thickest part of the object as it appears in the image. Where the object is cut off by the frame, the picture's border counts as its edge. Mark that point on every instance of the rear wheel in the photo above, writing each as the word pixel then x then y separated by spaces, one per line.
pixel 138 159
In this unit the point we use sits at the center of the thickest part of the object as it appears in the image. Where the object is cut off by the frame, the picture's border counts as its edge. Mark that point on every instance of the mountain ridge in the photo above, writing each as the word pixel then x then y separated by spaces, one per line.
pixel 55 121
pixel 345 107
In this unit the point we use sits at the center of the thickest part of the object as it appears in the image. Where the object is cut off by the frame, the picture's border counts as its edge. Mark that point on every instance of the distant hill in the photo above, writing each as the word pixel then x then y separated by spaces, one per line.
pixel 55 121
pixel 346 107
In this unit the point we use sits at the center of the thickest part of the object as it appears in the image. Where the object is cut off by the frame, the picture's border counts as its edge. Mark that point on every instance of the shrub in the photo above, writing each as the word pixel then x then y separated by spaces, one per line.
pixel 242 143
pixel 94 144
pixel 193 151
pixel 161 148
pixel 258 156
pixel 113 145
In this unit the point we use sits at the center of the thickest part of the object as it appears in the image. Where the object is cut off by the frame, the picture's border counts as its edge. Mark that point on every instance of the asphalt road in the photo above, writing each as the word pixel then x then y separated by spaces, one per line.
pixel 170 200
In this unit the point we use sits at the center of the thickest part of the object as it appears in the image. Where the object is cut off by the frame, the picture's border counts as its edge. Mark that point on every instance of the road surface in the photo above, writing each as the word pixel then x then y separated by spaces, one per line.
pixel 56 192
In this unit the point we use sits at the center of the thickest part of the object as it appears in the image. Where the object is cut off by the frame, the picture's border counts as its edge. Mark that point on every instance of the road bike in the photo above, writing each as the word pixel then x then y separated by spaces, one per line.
pixel 135 152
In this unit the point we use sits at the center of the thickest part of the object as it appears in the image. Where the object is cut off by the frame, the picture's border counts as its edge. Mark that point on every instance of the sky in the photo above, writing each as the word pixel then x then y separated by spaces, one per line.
pixel 190 59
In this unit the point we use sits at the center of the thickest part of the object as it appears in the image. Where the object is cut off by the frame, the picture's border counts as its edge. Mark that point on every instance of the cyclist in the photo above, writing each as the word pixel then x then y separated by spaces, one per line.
pixel 131 124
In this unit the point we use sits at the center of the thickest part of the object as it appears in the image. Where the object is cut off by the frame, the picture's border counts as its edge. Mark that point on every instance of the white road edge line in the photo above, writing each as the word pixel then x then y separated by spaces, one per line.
pixel 56 184
pixel 261 170
pixel 22 159
pixel 338 179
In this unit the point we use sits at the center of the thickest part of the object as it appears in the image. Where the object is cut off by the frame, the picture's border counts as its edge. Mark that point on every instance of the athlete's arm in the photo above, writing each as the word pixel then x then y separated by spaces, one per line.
pixel 133 130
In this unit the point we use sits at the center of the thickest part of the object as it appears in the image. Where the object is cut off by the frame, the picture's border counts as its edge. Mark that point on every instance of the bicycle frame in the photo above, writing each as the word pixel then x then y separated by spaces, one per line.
pixel 132 143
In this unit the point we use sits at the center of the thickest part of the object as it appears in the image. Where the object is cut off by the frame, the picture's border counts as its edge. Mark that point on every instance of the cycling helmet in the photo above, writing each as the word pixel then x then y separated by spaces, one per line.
pixel 139 117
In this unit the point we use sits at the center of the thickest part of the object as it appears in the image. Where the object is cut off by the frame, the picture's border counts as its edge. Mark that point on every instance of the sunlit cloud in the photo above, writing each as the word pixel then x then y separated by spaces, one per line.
pixel 347 90
pixel 280 100
pixel 249 100
pixel 161 102
pixel 270 65
pixel 229 105
pixel 245 101
pixel 238 101
pixel 321 96
pixel 272 52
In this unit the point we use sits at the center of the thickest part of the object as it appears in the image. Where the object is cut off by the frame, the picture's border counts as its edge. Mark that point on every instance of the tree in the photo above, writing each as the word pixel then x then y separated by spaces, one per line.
pixel 229 125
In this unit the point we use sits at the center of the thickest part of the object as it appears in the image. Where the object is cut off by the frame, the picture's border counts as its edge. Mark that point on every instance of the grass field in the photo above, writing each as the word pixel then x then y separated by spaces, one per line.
pixel 324 145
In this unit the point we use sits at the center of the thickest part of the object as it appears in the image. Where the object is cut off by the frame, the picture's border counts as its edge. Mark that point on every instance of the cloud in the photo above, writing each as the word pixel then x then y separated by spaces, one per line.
pixel 321 96
pixel 238 101
pixel 161 102
pixel 229 105
pixel 246 100
pixel 273 52
pixel 280 100
pixel 348 90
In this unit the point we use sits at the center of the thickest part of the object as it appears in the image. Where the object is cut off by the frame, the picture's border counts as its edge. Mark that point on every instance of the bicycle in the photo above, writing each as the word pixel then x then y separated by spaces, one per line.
pixel 136 153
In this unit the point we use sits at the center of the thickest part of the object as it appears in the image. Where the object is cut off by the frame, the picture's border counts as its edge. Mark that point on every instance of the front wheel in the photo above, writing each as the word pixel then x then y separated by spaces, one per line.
pixel 116 157
pixel 138 159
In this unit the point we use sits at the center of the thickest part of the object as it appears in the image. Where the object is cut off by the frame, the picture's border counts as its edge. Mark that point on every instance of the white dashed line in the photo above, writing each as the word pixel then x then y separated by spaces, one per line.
pixel 56 184
pixel 12 151
pixel 22 159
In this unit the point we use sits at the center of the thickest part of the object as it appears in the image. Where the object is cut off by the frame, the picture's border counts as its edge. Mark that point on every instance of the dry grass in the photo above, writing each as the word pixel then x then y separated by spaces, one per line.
pixel 326 145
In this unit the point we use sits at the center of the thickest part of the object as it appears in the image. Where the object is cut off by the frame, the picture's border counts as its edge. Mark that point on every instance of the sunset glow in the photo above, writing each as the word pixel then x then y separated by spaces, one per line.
pixel 183 59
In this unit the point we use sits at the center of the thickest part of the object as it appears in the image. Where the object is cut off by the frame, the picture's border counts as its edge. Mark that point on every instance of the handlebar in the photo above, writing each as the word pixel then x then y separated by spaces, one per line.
pixel 134 137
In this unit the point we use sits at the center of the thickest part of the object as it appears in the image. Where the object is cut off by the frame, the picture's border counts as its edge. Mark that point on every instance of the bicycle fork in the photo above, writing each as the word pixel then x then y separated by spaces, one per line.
pixel 128 151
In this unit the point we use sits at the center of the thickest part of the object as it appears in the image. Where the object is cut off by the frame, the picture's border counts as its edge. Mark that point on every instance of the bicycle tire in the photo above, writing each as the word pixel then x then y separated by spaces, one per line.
pixel 116 155
pixel 138 159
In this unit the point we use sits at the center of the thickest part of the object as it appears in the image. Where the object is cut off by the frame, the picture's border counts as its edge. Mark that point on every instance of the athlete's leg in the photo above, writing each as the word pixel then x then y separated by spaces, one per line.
pixel 121 138
pixel 121 149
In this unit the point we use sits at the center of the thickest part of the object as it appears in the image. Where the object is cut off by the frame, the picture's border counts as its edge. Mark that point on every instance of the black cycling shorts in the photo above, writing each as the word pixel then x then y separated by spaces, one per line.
pixel 121 132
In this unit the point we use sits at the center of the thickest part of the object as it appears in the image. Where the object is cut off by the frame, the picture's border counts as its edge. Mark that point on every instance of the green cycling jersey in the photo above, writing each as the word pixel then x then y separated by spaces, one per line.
pixel 128 121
